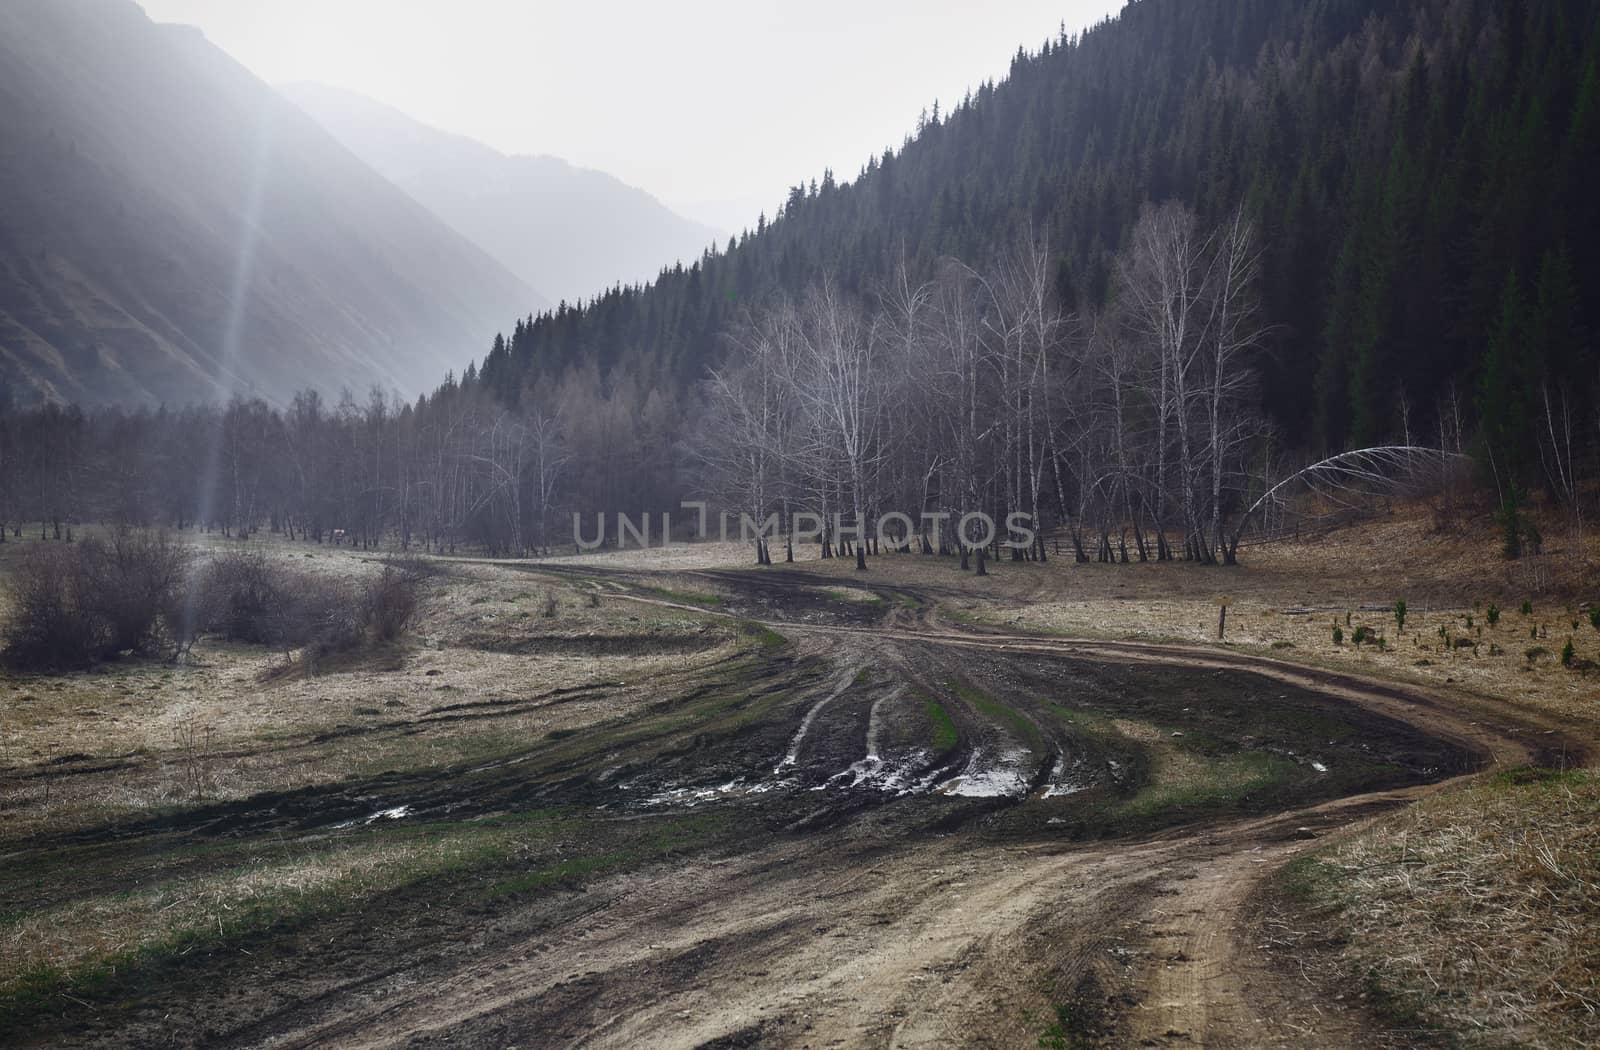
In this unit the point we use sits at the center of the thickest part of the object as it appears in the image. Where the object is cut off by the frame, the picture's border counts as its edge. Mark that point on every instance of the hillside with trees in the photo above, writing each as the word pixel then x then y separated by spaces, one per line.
pixel 1128 288
pixel 1415 169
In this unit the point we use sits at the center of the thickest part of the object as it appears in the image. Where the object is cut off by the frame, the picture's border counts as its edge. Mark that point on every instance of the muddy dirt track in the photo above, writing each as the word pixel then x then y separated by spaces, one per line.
pixel 935 836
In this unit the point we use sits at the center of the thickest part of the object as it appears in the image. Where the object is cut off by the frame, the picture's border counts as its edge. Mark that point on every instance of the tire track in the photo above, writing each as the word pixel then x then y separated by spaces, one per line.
pixel 840 939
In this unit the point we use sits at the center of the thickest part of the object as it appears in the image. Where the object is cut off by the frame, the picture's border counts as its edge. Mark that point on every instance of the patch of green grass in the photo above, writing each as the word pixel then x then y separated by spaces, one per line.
pixel 1540 779
pixel 1080 1021
pixel 1063 1033
pixel 711 704
pixel 988 705
pixel 749 711
pixel 943 735
pixel 764 636
pixel 463 852
pixel 1089 721
pixel 673 835
pixel 566 871
pixel 705 601
pixel 249 922
pixel 1308 878
pixel 411 753
pixel 855 599
pixel 1223 786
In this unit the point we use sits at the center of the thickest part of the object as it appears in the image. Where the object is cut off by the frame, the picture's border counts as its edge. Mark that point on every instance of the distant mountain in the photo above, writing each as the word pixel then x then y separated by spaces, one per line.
pixel 568 231
pixel 171 229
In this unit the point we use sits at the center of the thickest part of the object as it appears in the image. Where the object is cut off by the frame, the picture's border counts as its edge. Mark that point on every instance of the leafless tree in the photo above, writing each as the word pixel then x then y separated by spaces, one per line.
pixel 1233 330
pixel 838 385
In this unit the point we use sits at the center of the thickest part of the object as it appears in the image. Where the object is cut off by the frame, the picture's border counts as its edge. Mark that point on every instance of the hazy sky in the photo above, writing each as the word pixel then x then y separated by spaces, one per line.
pixel 716 106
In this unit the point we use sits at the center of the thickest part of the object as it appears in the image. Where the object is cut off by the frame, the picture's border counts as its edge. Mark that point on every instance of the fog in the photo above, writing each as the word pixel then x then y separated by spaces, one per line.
pixel 716 107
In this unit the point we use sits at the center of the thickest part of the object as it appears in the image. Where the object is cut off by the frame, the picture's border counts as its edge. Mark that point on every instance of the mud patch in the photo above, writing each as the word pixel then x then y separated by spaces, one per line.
pixel 598 644
pixel 992 773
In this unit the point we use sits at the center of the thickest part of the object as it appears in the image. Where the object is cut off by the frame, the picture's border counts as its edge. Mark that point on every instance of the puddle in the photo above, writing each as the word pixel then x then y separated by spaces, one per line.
pixel 875 774
pixel 689 797
pixel 395 813
pixel 1061 785
pixel 1003 775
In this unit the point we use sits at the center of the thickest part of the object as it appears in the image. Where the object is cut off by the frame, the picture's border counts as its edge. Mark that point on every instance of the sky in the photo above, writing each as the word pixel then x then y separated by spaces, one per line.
pixel 715 106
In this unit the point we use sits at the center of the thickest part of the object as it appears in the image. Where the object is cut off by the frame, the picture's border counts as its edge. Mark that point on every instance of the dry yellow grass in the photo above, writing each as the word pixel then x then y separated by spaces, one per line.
pixel 1480 910
pixel 711 554
pixel 108 926
pixel 130 738
pixel 224 726
pixel 303 876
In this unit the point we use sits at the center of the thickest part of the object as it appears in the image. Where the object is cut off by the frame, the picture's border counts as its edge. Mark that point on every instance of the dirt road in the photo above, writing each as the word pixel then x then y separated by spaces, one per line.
pixel 970 839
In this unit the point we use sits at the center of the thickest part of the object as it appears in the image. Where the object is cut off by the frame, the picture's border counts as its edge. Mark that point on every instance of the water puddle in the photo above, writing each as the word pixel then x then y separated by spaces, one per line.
pixel 1062 784
pixel 689 797
pixel 992 775
pixel 874 773
pixel 394 813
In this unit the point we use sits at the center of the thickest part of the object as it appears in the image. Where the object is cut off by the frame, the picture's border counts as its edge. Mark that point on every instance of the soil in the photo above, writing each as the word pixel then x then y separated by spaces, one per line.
pixel 919 832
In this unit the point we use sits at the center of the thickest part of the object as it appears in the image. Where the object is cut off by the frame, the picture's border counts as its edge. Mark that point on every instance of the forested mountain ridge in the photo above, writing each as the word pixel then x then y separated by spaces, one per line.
pixel 565 230
pixel 1407 161
pixel 1367 218
pixel 171 230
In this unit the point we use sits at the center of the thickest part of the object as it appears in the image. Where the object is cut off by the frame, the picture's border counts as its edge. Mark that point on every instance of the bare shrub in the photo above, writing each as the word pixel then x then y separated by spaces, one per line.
pixel 137 581
pixel 48 628
pixel 248 597
pixel 393 601
pixel 76 603
pixel 239 596
pixel 251 598
pixel 321 614
pixel 194 745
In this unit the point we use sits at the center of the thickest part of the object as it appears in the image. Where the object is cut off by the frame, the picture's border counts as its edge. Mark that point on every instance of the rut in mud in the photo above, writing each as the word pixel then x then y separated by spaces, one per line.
pixel 866 829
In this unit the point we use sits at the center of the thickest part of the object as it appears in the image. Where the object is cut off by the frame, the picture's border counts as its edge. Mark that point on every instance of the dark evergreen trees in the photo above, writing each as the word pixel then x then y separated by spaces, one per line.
pixel 1401 156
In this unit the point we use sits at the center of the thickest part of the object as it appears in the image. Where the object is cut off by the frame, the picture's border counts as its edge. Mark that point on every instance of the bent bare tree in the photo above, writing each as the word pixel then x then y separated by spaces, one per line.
pixel 1345 481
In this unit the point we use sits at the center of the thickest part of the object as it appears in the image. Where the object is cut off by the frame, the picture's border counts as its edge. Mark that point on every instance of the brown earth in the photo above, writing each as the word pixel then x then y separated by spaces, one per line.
pixel 1081 865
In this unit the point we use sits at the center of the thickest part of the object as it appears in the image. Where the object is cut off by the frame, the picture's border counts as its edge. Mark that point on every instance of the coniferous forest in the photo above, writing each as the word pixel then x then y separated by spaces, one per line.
pixel 1416 169
pixel 1385 203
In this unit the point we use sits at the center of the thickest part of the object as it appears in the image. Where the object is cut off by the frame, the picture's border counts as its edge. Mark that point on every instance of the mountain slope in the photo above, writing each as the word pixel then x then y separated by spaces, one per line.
pixel 565 230
pixel 1419 171
pixel 173 230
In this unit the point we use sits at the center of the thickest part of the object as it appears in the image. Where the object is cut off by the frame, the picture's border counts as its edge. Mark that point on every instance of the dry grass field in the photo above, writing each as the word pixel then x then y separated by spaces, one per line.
pixel 557 731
